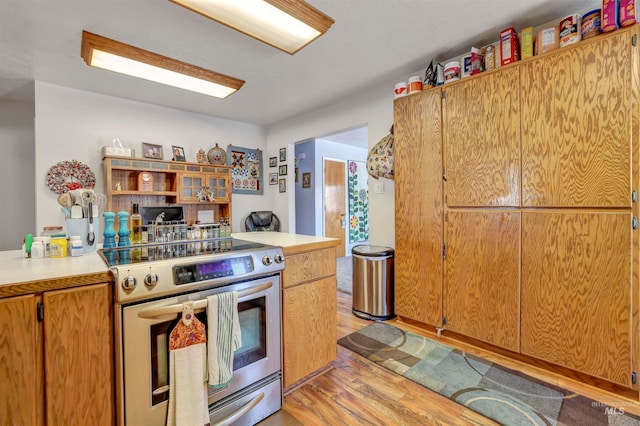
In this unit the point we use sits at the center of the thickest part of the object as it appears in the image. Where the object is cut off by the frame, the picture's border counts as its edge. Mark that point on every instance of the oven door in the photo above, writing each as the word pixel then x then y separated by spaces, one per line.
pixel 145 332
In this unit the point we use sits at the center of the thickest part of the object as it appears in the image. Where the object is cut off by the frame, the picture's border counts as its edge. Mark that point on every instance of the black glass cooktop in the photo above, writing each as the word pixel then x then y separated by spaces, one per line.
pixel 174 250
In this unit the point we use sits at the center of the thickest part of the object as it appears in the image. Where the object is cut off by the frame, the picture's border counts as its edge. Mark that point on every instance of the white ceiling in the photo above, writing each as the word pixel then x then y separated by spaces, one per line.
pixel 371 42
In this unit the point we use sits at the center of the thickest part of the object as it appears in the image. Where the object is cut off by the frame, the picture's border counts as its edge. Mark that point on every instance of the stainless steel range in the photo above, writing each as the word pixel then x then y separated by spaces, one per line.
pixel 152 284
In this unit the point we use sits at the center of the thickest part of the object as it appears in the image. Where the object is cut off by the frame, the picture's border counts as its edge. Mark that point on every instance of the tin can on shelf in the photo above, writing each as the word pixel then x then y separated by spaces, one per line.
pixel 452 71
pixel 590 24
pixel 415 84
pixel 400 90
pixel 569 30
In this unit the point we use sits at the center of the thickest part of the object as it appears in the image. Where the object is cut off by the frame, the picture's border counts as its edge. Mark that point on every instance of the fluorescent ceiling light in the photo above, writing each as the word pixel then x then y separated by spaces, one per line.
pixel 288 25
pixel 101 52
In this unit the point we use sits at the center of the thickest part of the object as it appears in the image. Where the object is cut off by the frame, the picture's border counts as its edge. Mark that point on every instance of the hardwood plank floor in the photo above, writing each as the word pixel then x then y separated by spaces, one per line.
pixel 355 391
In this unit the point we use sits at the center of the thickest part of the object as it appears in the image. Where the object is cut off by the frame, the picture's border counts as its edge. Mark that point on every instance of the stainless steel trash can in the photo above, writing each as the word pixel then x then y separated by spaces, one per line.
pixel 373 287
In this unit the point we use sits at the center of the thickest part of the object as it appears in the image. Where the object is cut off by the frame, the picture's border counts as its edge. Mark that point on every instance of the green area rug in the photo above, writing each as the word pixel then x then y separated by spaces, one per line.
pixel 504 395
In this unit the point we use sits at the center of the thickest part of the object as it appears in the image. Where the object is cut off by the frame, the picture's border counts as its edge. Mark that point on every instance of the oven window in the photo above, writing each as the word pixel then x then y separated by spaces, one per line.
pixel 252 315
pixel 160 361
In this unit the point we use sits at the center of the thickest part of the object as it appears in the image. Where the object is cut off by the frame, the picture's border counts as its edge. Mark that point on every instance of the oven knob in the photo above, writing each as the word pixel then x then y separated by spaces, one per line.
pixel 151 279
pixel 278 258
pixel 129 283
pixel 266 261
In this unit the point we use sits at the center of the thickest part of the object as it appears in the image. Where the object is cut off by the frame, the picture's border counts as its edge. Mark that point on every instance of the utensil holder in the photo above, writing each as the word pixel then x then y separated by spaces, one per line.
pixel 81 227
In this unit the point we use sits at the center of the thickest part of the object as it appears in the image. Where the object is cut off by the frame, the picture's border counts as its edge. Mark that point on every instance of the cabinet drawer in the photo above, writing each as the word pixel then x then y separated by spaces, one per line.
pixel 309 266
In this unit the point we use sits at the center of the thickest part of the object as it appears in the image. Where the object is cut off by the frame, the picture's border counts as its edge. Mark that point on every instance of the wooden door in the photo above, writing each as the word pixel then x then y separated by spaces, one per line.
pixel 482 275
pixel 482 141
pixel 334 203
pixel 19 388
pixel 576 110
pixel 78 356
pixel 576 291
pixel 418 207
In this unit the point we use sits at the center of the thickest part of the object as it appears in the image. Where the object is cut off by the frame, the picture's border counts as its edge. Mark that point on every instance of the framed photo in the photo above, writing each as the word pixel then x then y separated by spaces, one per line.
pixel 273 178
pixel 283 154
pixel 282 185
pixel 150 150
pixel 282 170
pixel 178 153
pixel 273 161
pixel 306 180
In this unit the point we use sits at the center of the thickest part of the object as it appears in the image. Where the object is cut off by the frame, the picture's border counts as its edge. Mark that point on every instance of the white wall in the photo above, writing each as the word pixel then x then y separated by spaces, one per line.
pixel 75 124
pixel 17 214
pixel 373 108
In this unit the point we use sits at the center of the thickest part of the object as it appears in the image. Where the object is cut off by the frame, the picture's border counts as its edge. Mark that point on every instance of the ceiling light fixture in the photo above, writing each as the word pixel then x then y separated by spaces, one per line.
pixel 102 52
pixel 288 25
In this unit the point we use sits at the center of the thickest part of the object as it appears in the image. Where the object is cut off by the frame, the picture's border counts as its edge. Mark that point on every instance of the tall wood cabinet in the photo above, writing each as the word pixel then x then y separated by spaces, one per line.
pixel 58 371
pixel 539 164
pixel 173 183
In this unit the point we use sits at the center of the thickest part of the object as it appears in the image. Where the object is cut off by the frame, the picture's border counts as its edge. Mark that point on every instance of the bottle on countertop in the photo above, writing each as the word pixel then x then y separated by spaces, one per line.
pixel 136 225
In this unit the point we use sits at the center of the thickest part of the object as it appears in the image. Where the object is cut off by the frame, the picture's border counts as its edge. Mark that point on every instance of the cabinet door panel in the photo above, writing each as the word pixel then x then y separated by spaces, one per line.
pixel 482 141
pixel 576 109
pixel 482 267
pixel 309 328
pixel 78 356
pixel 576 291
pixel 418 207
pixel 18 383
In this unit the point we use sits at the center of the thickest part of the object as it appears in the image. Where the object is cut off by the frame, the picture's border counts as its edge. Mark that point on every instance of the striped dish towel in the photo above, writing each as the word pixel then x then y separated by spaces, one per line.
pixel 223 337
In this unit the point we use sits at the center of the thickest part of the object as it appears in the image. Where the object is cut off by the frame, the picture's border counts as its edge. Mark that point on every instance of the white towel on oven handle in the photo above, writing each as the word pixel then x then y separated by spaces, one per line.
pixel 223 336
pixel 188 395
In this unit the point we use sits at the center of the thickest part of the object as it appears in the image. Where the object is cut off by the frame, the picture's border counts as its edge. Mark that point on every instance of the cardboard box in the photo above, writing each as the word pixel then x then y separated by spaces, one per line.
pixel 527 43
pixel 547 40
pixel 509 49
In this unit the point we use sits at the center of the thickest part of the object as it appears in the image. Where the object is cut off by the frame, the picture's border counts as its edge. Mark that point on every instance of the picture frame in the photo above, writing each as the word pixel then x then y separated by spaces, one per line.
pixel 283 155
pixel 273 178
pixel 306 180
pixel 282 185
pixel 282 170
pixel 273 161
pixel 150 150
pixel 178 153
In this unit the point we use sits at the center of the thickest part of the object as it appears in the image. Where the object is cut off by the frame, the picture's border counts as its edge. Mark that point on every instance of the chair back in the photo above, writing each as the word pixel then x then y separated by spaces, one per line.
pixel 264 220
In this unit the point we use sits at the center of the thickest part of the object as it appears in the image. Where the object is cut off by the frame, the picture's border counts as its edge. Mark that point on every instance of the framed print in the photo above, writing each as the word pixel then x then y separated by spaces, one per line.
pixel 282 185
pixel 306 180
pixel 273 161
pixel 178 153
pixel 152 151
pixel 282 170
pixel 283 155
pixel 246 170
pixel 273 178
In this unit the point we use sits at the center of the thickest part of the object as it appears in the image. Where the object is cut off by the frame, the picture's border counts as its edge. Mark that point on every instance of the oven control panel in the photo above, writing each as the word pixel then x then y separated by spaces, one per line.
pixel 219 268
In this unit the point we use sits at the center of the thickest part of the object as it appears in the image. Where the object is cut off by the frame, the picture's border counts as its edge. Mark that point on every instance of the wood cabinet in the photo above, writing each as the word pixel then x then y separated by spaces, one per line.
pixel 482 267
pixel 482 141
pixel 418 207
pixel 174 183
pixel 60 370
pixel 309 306
pixel 540 166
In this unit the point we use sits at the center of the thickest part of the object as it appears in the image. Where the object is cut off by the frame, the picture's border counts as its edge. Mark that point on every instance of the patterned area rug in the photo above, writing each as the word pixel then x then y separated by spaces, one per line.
pixel 344 273
pixel 506 396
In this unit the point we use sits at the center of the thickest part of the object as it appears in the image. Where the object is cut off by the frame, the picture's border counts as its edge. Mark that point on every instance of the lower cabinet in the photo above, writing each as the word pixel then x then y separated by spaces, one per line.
pixel 58 371
pixel 309 306
pixel 576 291
pixel 482 268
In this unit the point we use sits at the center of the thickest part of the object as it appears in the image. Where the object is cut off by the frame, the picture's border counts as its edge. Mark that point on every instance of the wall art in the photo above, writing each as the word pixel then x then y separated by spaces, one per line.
pixel 357 179
pixel 246 170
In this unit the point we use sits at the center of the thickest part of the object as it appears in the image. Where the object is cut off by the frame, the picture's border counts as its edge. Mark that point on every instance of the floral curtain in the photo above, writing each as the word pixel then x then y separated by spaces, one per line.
pixel 358 201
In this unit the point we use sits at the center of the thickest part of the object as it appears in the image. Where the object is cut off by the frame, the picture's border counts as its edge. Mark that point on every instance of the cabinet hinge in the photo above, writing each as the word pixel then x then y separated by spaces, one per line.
pixel 444 177
pixel 40 312
pixel 634 40
pixel 444 320
pixel 634 377
pixel 443 95
pixel 634 223
pixel 444 251
pixel 634 196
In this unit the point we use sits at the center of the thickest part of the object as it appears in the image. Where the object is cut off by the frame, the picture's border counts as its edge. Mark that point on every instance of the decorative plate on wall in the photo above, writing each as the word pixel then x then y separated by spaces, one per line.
pixel 217 156
pixel 68 175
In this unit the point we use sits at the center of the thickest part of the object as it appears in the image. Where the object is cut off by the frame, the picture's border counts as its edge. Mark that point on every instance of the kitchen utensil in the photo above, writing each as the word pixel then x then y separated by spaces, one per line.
pixel 76 211
pixel 91 238
pixel 87 196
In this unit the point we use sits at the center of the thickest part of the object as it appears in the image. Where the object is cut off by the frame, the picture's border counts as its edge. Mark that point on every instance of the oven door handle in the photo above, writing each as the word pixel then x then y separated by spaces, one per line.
pixel 241 412
pixel 199 304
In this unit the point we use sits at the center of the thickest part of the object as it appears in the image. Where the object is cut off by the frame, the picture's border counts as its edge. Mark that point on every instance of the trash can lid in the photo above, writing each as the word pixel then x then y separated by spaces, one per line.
pixel 372 251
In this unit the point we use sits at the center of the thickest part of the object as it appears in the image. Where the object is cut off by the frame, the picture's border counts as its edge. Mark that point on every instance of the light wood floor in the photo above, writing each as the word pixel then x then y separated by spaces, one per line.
pixel 355 391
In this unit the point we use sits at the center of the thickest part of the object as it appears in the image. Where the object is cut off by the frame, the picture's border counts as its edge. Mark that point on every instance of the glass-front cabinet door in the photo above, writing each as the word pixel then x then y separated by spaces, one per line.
pixel 219 185
pixel 190 185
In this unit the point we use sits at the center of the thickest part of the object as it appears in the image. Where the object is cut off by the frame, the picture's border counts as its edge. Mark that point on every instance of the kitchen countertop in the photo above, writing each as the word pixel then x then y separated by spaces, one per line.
pixel 290 243
pixel 24 276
